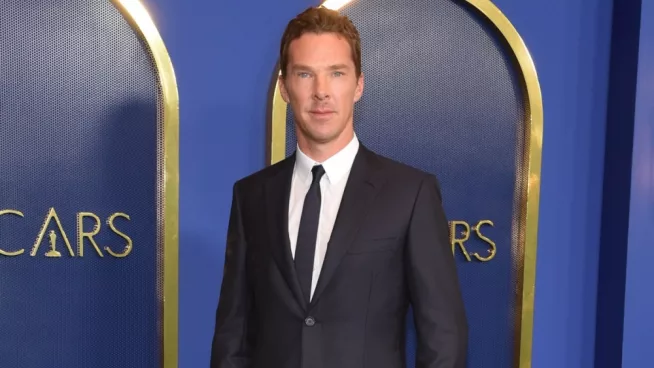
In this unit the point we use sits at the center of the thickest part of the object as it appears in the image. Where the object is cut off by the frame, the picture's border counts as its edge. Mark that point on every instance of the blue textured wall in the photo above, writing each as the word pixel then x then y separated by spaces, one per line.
pixel 224 54
pixel 78 132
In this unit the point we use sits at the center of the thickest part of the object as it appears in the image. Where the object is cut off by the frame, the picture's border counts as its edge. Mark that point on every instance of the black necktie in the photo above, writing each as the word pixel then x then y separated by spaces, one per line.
pixel 305 248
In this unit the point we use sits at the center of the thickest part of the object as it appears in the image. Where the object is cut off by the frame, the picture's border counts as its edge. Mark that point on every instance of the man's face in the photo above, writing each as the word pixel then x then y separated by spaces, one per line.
pixel 321 86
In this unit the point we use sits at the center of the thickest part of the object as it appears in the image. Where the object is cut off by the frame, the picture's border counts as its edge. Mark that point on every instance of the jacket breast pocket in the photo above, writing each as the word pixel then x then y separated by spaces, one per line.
pixel 371 245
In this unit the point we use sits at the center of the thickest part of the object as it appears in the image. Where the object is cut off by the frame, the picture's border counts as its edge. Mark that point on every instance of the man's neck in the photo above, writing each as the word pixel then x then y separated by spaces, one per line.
pixel 320 152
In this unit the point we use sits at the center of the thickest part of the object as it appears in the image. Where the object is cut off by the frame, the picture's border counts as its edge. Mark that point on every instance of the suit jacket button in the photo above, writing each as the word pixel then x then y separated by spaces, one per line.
pixel 309 321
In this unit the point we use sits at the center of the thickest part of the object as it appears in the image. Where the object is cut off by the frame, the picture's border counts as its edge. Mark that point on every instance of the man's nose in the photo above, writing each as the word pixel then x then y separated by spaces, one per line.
pixel 321 88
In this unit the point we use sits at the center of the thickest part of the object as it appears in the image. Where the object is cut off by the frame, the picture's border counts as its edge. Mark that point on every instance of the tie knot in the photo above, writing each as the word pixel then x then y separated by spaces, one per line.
pixel 318 171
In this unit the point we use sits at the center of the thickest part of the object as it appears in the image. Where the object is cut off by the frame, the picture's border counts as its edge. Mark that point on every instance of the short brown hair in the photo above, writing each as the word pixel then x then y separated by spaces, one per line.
pixel 320 20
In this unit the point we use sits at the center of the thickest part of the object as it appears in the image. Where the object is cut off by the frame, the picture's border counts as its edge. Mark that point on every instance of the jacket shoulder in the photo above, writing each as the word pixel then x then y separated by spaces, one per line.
pixel 405 176
pixel 408 179
pixel 401 171
pixel 257 178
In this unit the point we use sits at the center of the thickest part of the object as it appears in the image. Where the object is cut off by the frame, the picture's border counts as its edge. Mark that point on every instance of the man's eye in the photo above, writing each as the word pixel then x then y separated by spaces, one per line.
pixel 338 74
pixel 303 74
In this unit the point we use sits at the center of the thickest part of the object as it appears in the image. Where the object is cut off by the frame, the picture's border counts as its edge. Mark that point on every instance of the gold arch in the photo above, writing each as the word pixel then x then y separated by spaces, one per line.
pixel 525 320
pixel 276 151
pixel 136 14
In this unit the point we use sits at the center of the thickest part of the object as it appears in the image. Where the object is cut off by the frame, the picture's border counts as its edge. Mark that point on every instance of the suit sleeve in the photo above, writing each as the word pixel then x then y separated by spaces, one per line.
pixel 439 314
pixel 235 325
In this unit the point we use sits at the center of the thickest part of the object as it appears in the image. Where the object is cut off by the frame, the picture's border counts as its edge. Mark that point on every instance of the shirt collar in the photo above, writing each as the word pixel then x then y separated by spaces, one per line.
pixel 336 167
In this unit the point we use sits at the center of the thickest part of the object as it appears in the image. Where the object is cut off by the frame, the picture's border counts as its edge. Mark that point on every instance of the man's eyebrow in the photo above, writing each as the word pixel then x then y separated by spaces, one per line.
pixel 306 67
pixel 338 66
pixel 300 67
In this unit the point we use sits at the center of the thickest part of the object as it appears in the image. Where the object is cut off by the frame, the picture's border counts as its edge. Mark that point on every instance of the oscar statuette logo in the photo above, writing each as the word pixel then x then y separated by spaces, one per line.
pixel 57 236
pixel 53 253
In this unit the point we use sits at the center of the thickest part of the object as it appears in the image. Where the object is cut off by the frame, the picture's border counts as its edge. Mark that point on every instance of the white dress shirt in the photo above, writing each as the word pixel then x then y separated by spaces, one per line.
pixel 332 185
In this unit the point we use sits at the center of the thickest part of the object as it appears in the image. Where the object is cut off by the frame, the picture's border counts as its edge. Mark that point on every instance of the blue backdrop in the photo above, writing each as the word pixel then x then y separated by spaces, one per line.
pixel 78 149
pixel 224 54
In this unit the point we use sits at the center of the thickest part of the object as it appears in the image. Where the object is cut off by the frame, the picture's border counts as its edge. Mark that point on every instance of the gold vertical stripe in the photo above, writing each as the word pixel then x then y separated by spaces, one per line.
pixel 138 16
pixel 533 180
pixel 278 130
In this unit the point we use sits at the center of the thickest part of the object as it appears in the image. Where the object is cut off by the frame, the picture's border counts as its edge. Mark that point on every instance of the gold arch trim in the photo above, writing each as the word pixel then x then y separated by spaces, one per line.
pixel 276 152
pixel 534 124
pixel 136 14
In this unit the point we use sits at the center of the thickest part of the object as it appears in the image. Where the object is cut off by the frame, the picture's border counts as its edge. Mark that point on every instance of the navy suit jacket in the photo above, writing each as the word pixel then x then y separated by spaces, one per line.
pixel 389 249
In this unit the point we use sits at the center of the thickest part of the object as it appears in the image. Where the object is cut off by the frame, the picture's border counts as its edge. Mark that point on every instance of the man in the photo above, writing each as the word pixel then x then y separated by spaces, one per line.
pixel 327 249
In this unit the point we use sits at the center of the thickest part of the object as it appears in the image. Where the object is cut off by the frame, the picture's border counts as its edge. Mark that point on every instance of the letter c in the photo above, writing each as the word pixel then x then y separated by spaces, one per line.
pixel 18 252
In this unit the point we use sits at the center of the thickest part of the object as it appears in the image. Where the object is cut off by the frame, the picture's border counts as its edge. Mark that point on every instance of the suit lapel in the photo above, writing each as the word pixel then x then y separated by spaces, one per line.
pixel 277 193
pixel 362 186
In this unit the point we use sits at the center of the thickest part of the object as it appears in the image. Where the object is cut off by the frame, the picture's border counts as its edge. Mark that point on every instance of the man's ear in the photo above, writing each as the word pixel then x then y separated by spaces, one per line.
pixel 359 90
pixel 282 88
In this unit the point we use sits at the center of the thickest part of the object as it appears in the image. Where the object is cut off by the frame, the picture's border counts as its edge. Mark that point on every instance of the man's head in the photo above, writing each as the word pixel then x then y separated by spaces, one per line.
pixel 321 78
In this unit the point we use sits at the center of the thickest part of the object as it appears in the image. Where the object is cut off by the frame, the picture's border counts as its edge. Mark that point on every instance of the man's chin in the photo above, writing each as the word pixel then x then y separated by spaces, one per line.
pixel 323 138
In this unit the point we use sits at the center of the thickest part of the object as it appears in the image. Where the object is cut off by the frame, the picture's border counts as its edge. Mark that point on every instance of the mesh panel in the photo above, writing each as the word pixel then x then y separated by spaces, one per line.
pixel 79 132
pixel 442 95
